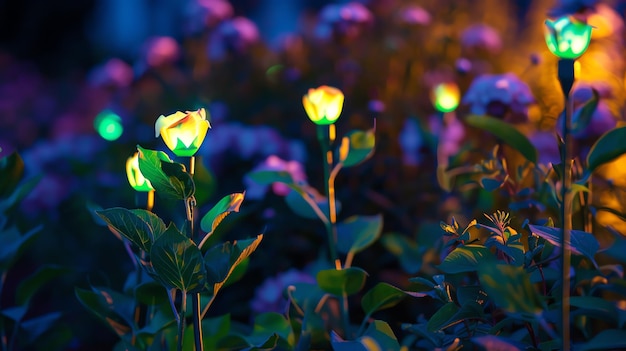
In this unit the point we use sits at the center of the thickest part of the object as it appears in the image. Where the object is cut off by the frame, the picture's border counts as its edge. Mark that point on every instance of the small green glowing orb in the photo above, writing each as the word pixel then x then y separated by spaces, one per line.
pixel 108 125
pixel 445 97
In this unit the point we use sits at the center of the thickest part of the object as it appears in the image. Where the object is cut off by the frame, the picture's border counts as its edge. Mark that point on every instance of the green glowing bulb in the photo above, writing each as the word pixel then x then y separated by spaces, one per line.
pixel 567 37
pixel 108 125
pixel 445 97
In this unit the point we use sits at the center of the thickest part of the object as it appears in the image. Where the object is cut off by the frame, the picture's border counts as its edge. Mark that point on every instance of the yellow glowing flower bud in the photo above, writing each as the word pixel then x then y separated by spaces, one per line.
pixel 323 105
pixel 183 132
pixel 135 178
pixel 445 97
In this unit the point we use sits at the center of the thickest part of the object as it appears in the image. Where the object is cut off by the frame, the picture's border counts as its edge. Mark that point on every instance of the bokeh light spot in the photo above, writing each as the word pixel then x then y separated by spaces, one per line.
pixel 108 125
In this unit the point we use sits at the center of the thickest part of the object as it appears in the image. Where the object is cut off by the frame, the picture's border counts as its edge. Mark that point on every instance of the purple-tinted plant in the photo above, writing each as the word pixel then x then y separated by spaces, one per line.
pixel 18 328
pixel 503 96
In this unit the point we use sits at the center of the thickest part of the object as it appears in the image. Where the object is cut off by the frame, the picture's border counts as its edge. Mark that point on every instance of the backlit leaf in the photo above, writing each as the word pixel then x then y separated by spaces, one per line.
pixel 607 148
pixel 178 261
pixel 228 204
pixel 340 281
pixel 356 233
pixel 506 133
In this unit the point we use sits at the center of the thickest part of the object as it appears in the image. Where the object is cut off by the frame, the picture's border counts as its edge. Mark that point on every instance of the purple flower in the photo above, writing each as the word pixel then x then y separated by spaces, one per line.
pixel 411 140
pixel 414 15
pixel 504 96
pixel 234 35
pixel 269 297
pixel 602 120
pixel 450 132
pixel 463 65
pixel 547 147
pixel 113 73
pixel 256 191
pixel 206 13
pixel 344 20
pixel 160 51
pixel 481 36
pixel 376 106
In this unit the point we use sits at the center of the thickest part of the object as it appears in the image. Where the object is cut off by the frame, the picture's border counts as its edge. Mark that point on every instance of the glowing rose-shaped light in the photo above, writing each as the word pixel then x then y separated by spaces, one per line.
pixel 135 177
pixel 446 97
pixel 323 105
pixel 183 132
pixel 567 37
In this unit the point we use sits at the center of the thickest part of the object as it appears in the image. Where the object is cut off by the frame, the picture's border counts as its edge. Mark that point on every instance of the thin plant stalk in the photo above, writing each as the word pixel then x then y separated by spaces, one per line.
pixel 195 297
pixel 181 319
pixel 138 308
pixel 566 211
pixel 325 137
pixel 566 78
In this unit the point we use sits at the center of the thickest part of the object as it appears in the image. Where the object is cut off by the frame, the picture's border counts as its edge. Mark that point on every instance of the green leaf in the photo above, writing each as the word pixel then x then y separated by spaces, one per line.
pixel 360 147
pixel 443 314
pixel 582 116
pixel 305 201
pixel 29 286
pixel 15 313
pixel 378 336
pixel 340 281
pixel 12 245
pixel 595 307
pixel 383 296
pixel 270 323
pixel 607 148
pixel 406 250
pixel 36 327
pixel 490 184
pixel 240 342
pixel 470 310
pixel 22 190
pixel 510 288
pixel 611 339
pixel 506 133
pixel 471 293
pixel 214 329
pixel 178 261
pixel 356 233
pixel 306 295
pixel 11 173
pixel 465 259
pixel 128 224
pixel 582 243
pixel 112 308
pixel 221 260
pixel 169 179
pixel 228 204
pixel 155 223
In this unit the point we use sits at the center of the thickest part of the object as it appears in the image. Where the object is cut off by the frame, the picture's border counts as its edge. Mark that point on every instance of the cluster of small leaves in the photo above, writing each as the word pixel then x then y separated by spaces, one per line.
pixel 501 286
pixel 16 330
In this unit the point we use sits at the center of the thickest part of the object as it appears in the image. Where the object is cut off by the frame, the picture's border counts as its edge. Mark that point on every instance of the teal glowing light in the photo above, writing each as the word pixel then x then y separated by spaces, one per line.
pixel 108 125
pixel 567 37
